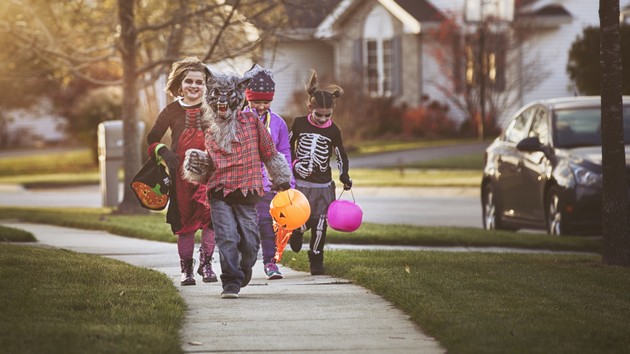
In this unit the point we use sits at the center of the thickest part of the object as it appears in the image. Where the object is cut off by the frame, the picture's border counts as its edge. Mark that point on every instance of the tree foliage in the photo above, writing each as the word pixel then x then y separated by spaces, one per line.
pixel 129 43
pixel 468 61
pixel 584 66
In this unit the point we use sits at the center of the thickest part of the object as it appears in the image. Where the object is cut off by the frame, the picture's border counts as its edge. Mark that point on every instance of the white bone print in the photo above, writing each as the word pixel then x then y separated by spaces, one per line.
pixel 313 151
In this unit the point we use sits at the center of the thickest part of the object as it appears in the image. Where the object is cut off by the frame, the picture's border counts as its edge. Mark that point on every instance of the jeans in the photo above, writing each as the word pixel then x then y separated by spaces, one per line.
pixel 236 233
pixel 265 227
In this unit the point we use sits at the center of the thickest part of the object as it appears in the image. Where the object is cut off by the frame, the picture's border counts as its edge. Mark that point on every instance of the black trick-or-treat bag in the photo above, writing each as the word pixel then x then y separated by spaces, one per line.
pixel 151 184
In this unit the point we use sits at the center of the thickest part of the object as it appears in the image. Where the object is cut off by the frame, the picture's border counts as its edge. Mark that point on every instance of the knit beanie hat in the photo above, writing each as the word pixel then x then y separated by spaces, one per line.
pixel 261 86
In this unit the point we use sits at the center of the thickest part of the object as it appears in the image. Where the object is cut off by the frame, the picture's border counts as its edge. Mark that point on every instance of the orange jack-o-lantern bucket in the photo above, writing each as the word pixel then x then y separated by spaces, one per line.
pixel 290 209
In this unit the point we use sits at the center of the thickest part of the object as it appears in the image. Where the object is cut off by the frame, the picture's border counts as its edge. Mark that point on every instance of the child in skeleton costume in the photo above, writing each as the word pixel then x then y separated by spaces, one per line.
pixel 259 94
pixel 188 209
pixel 236 144
pixel 313 140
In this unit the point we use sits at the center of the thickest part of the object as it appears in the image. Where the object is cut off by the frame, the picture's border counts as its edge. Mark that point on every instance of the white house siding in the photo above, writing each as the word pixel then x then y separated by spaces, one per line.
pixel 553 50
pixel 432 72
pixel 412 77
pixel 352 29
pixel 292 68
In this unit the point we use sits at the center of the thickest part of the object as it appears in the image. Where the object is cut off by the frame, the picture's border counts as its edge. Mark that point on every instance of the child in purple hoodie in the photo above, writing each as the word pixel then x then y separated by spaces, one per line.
pixel 259 94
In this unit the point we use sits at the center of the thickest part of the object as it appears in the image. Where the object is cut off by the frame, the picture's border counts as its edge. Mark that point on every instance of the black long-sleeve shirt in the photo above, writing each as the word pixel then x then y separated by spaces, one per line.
pixel 311 150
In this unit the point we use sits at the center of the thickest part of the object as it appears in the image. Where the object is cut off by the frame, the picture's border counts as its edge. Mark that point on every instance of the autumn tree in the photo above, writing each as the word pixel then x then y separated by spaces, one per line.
pixel 485 63
pixel 615 228
pixel 136 41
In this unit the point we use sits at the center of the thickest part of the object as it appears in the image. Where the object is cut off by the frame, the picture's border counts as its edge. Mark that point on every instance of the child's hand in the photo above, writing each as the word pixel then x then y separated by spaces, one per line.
pixel 197 161
pixel 347 182
pixel 171 158
pixel 281 187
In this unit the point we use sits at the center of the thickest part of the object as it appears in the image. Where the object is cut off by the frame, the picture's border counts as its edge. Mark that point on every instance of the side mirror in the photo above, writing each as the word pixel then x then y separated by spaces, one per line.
pixel 529 144
pixel 533 144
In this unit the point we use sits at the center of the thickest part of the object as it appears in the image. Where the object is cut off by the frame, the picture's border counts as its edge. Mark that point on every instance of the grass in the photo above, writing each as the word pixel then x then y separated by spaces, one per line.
pixel 11 234
pixel 497 303
pixel 153 227
pixel 380 146
pixel 65 308
pixel 412 177
pixel 470 302
pixel 70 162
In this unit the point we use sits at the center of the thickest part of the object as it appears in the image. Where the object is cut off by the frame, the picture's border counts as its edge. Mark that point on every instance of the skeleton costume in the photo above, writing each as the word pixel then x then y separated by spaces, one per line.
pixel 313 140
pixel 312 147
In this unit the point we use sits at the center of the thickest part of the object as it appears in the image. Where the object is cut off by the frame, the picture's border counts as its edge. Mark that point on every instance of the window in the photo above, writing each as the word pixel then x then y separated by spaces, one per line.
pixel 378 34
pixel 540 126
pixel 493 61
pixel 515 131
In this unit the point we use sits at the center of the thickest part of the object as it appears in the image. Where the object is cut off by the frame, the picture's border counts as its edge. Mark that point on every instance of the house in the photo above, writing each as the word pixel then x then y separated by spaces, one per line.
pixel 387 47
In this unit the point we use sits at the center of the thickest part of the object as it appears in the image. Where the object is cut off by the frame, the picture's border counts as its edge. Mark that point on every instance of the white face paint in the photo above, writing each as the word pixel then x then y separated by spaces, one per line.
pixel 193 87
pixel 321 115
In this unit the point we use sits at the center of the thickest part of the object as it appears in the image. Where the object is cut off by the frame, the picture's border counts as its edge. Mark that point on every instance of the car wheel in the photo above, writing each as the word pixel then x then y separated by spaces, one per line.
pixel 556 223
pixel 490 209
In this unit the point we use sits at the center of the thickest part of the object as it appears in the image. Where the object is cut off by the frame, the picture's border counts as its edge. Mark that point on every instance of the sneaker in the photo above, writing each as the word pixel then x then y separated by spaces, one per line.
pixel 296 241
pixel 229 292
pixel 271 269
pixel 226 294
pixel 247 276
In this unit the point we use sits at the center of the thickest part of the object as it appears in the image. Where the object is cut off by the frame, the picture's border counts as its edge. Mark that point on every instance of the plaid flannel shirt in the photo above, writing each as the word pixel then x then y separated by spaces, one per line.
pixel 240 168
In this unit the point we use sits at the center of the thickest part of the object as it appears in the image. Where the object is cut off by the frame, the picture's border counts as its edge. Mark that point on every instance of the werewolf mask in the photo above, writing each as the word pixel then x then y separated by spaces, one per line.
pixel 226 93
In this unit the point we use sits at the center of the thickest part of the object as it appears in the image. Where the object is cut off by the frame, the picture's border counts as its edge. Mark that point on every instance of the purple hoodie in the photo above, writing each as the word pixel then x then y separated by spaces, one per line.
pixel 280 135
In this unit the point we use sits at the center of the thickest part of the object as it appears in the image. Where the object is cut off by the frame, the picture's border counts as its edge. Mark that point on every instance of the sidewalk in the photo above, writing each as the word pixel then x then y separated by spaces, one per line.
pixel 297 314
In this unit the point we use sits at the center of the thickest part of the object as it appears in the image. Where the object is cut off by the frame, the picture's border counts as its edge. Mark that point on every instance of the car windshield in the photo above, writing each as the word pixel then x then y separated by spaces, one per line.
pixel 577 127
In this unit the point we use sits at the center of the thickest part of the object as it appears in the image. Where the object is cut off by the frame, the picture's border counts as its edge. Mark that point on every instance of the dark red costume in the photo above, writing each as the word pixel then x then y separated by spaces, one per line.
pixel 189 209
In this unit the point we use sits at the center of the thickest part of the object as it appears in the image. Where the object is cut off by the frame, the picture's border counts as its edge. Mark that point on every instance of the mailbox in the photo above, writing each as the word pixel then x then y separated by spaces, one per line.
pixel 111 157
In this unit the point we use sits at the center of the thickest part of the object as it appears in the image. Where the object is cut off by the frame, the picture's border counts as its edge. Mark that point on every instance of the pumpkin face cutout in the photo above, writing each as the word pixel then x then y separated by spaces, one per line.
pixel 150 198
pixel 151 186
pixel 290 209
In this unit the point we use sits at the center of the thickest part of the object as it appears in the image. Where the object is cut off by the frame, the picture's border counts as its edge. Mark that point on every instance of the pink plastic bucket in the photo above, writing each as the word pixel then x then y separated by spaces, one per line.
pixel 344 215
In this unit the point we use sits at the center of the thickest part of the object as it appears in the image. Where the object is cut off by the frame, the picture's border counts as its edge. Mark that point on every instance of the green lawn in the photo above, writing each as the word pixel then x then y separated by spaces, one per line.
pixel 57 301
pixel 471 302
pixel 154 227
pixel 497 302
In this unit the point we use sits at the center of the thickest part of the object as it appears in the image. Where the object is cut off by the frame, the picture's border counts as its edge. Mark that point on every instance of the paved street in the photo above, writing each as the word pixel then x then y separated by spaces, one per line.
pixel 413 206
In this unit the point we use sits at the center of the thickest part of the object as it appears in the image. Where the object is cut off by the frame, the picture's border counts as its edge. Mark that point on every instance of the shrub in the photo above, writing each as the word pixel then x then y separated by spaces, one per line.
pixel 429 120
pixel 98 105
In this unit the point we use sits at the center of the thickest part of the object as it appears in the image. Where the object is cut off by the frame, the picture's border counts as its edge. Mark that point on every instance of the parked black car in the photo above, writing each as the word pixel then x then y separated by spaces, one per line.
pixel 544 171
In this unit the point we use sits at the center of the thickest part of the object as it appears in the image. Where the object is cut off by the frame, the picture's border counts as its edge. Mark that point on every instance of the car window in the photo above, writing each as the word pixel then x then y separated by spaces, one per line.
pixel 540 126
pixel 515 131
pixel 578 127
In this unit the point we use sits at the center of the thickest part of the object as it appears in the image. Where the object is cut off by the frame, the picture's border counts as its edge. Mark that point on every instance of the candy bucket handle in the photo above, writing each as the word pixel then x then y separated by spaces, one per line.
pixel 354 201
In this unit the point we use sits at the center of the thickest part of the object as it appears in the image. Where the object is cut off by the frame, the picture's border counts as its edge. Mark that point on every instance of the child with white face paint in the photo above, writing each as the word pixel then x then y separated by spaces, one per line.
pixel 188 209
pixel 313 140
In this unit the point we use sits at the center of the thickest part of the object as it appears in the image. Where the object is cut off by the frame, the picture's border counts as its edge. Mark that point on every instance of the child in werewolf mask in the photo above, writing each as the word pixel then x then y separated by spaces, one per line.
pixel 236 144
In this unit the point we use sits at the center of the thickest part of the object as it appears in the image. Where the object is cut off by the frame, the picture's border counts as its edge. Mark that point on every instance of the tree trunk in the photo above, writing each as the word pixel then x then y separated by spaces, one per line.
pixel 615 229
pixel 131 148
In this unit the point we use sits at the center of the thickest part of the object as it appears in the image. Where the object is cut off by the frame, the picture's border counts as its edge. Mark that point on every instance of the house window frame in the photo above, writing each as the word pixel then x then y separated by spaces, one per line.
pixel 378 58
pixel 378 53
